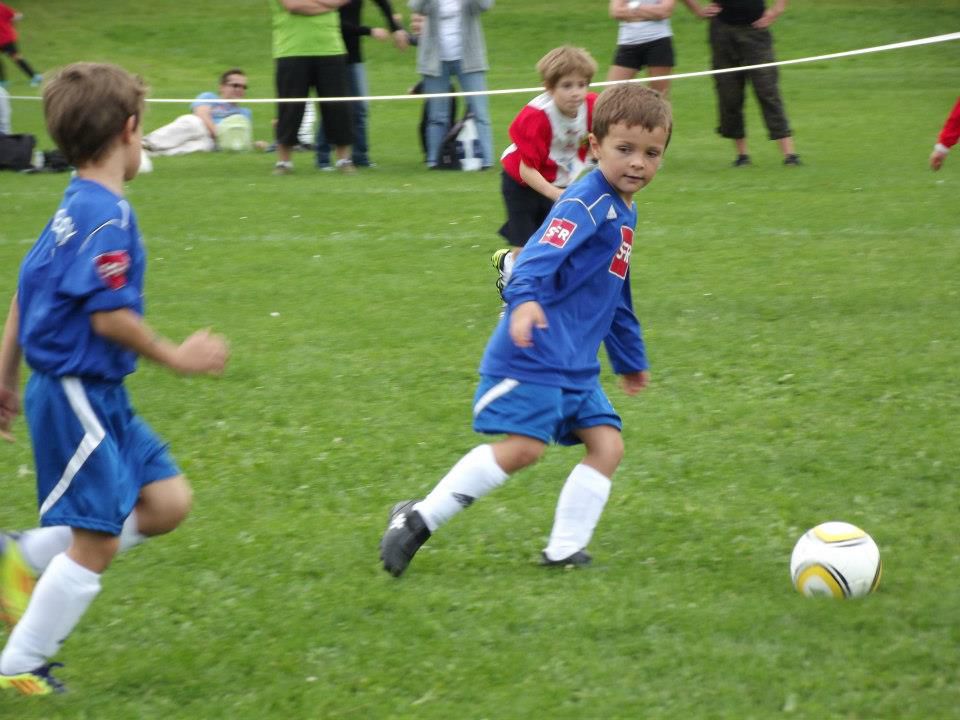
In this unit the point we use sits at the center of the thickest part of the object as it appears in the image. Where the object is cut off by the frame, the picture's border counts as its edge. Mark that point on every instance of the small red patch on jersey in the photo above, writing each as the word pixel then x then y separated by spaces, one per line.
pixel 558 232
pixel 112 268
pixel 621 261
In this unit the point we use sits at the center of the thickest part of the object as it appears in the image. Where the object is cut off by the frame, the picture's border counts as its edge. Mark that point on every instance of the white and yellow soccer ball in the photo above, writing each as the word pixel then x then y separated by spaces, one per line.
pixel 835 559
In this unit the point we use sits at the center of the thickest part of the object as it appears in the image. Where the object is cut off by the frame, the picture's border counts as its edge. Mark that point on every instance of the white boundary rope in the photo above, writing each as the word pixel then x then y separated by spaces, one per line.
pixel 513 91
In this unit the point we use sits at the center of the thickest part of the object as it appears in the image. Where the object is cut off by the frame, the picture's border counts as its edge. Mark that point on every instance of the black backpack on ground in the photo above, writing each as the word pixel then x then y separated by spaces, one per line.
pixel 16 151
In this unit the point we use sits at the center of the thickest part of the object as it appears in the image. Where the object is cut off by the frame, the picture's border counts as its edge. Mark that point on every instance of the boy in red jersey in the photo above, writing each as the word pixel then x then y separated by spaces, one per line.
pixel 8 45
pixel 548 150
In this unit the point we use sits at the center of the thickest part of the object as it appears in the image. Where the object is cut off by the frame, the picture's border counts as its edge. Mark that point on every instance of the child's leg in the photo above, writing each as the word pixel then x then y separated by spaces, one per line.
pixel 478 472
pixel 162 506
pixel 585 492
pixel 62 596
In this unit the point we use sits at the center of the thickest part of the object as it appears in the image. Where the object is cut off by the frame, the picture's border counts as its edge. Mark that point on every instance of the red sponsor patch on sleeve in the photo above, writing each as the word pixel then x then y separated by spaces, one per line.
pixel 621 261
pixel 558 232
pixel 112 268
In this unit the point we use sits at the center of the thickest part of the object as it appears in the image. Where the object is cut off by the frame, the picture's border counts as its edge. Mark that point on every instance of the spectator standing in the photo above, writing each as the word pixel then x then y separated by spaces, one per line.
pixel 197 131
pixel 309 52
pixel 8 45
pixel 451 44
pixel 947 139
pixel 353 30
pixel 645 39
pixel 740 35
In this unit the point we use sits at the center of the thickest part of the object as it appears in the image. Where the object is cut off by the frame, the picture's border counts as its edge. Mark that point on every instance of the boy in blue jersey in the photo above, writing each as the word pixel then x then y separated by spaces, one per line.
pixel 105 481
pixel 569 293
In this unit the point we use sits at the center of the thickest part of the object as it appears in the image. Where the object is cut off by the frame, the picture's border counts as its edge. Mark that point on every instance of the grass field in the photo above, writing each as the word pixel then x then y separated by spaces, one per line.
pixel 803 325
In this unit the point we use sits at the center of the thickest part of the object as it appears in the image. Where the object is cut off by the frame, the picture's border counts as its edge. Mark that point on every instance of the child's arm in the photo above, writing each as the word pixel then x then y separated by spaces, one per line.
pixel 202 352
pixel 621 10
pixel 533 178
pixel 625 346
pixel 10 371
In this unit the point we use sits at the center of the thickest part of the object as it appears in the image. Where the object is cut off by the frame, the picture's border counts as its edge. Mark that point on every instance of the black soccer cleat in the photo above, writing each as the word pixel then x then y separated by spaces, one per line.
pixel 581 558
pixel 406 532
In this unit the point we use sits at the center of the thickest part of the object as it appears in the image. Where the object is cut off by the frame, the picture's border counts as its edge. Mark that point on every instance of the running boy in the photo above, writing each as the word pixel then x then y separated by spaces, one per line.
pixel 549 149
pixel 8 45
pixel 539 383
pixel 77 317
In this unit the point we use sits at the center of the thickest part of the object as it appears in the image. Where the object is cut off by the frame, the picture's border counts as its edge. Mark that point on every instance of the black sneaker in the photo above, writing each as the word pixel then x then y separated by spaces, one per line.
pixel 791 159
pixel 742 161
pixel 406 532
pixel 581 558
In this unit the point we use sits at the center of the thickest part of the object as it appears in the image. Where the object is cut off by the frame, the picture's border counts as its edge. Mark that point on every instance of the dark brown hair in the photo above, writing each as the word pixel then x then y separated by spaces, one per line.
pixel 631 104
pixel 228 73
pixel 87 105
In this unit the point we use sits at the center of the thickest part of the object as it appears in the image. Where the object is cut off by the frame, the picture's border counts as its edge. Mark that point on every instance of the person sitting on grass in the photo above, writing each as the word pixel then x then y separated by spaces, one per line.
pixel 215 121
pixel 105 480
pixel 540 376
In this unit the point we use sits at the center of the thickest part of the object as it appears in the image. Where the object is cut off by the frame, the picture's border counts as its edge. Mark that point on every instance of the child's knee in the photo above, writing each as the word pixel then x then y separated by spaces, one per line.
pixel 177 502
pixel 164 505
pixel 607 448
pixel 518 452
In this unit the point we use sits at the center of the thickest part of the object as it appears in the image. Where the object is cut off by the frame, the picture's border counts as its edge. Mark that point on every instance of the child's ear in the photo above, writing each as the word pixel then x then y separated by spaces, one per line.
pixel 594 145
pixel 130 126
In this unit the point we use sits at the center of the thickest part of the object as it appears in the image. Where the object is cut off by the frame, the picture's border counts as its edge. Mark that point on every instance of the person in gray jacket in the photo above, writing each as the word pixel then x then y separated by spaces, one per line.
pixel 451 44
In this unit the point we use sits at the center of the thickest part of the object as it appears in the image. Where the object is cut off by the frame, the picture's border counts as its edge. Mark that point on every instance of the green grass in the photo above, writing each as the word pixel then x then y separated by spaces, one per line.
pixel 803 328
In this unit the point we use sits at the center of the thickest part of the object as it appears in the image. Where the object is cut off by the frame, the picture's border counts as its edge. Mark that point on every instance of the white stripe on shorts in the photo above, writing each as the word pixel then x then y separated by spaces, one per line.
pixel 497 391
pixel 93 436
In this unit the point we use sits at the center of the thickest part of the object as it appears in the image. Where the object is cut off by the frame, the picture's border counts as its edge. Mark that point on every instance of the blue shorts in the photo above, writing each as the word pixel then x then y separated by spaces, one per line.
pixel 93 454
pixel 550 414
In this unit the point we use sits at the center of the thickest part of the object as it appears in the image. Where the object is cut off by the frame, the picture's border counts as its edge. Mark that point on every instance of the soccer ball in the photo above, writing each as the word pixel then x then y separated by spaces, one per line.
pixel 836 559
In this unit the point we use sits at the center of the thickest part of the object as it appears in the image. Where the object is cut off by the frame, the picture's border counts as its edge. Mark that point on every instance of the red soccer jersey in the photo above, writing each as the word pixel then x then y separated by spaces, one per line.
pixel 7 32
pixel 548 141
pixel 951 128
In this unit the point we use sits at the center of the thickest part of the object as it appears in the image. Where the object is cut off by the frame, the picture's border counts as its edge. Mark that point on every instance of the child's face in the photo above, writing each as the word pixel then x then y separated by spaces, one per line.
pixel 569 93
pixel 629 157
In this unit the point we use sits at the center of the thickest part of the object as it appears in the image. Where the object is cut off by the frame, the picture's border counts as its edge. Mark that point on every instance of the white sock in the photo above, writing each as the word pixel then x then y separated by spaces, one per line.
pixel 40 545
pixel 129 535
pixel 62 596
pixel 475 475
pixel 508 262
pixel 581 502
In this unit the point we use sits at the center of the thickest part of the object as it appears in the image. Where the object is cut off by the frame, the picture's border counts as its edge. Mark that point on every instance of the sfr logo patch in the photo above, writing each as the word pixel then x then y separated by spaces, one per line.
pixel 621 261
pixel 558 232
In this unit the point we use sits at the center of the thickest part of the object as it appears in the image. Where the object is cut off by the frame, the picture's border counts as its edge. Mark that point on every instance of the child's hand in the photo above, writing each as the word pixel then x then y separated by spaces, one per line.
pixel 202 352
pixel 634 382
pixel 9 409
pixel 527 316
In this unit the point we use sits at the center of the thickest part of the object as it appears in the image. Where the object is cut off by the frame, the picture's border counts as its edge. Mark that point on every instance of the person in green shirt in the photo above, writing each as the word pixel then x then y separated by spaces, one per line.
pixel 309 52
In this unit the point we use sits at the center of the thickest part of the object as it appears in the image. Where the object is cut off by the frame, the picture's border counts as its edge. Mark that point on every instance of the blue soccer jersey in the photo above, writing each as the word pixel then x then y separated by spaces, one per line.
pixel 576 266
pixel 89 258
